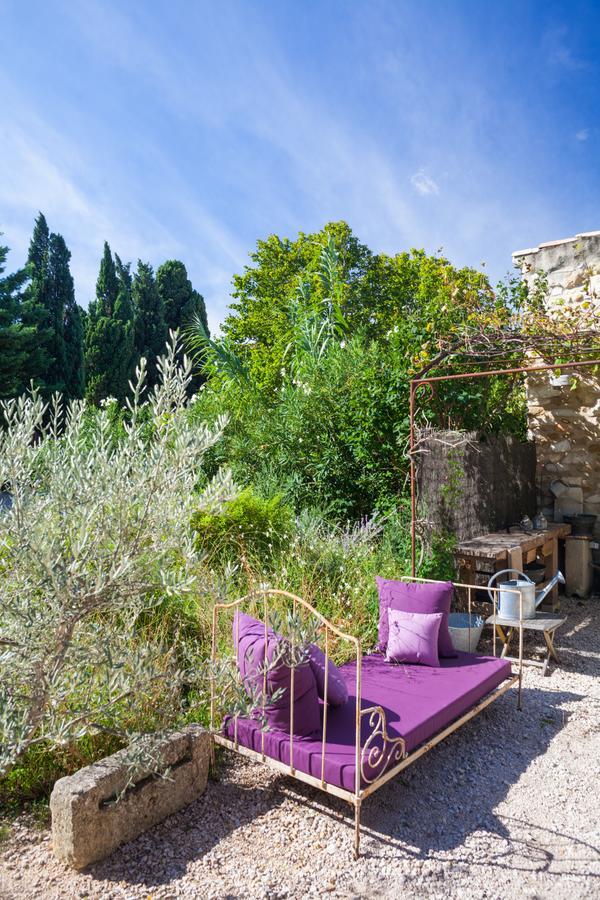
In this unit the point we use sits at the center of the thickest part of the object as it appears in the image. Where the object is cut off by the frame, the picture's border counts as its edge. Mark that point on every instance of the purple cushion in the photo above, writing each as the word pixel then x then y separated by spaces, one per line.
pixel 413 637
pixel 420 598
pixel 249 643
pixel 419 701
pixel 337 689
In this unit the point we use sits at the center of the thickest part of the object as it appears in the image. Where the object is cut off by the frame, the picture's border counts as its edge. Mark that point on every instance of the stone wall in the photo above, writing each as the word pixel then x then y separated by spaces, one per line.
pixel 468 487
pixel 564 420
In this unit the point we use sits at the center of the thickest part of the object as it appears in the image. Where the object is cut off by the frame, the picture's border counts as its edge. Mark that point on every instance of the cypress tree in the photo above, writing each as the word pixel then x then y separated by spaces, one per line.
pixel 182 303
pixel 100 338
pixel 68 319
pixel 109 332
pixel 59 293
pixel 124 316
pixel 150 325
pixel 55 358
pixel 16 339
pixel 36 308
pixel 107 285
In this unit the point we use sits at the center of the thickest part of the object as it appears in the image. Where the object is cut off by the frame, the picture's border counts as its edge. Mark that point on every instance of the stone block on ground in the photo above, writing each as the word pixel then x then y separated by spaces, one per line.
pixel 88 822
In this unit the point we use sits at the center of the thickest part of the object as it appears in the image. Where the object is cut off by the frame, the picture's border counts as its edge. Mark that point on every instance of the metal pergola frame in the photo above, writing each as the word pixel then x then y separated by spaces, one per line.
pixel 417 383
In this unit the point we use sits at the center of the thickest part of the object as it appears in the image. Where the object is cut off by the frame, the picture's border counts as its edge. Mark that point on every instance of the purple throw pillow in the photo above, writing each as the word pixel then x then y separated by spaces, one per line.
pixel 416 597
pixel 413 637
pixel 337 689
pixel 249 643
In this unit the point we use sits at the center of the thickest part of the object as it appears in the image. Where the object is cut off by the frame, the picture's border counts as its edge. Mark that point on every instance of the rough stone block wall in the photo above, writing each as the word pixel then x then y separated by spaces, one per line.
pixel 468 487
pixel 564 421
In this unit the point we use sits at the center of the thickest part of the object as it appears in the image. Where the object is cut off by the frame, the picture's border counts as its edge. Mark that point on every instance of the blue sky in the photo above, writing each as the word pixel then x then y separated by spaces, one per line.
pixel 175 128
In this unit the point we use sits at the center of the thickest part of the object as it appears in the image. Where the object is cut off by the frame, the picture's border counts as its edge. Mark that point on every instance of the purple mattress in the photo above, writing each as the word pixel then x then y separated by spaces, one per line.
pixel 419 701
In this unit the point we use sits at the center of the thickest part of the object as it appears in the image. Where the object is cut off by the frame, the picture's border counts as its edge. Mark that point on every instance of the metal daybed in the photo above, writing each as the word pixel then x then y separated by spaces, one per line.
pixel 394 713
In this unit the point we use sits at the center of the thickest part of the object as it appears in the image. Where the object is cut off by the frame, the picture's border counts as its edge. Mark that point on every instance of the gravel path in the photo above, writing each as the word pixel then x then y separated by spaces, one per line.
pixel 507 807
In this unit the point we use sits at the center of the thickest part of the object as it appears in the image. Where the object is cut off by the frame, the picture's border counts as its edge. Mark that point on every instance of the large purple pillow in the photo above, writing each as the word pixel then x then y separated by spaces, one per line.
pixel 249 643
pixel 337 689
pixel 415 597
pixel 413 637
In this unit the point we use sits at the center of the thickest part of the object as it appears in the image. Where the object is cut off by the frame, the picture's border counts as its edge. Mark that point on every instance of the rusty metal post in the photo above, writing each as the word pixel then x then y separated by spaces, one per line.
pixel 413 487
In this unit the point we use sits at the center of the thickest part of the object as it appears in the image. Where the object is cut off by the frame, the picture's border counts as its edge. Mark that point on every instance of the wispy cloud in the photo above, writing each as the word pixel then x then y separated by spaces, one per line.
pixel 168 152
pixel 88 204
pixel 423 183
pixel 559 50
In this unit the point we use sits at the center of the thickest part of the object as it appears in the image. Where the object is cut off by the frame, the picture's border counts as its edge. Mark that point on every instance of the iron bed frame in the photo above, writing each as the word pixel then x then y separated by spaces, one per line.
pixel 379 750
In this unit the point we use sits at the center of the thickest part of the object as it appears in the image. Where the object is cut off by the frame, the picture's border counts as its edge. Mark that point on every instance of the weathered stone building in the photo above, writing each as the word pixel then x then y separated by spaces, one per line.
pixel 564 419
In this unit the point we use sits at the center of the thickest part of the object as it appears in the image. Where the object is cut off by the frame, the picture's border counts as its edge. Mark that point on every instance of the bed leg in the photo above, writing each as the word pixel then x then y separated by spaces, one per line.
pixel 520 692
pixel 357 829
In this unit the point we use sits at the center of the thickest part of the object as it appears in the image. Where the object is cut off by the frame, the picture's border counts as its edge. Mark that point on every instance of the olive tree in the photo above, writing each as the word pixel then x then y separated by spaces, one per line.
pixel 97 533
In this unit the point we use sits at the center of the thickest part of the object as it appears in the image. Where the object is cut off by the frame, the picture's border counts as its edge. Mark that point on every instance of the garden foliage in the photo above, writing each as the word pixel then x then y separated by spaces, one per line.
pixel 125 524
pixel 97 535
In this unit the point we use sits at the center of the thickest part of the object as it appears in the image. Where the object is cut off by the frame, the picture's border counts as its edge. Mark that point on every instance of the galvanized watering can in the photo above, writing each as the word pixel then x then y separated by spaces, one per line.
pixel 508 600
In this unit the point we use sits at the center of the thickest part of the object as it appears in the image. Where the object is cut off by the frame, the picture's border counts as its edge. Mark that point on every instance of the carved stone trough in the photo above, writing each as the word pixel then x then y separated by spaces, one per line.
pixel 90 818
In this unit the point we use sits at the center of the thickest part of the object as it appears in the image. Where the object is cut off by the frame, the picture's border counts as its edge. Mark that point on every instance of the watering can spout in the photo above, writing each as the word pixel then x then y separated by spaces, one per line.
pixel 559 578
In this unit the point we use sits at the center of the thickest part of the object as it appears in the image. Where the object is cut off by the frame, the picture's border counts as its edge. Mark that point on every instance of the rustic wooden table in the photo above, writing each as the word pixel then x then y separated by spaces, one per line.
pixel 544 622
pixel 478 558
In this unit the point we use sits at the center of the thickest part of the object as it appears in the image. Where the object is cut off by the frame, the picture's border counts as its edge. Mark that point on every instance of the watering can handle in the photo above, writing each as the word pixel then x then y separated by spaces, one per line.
pixel 505 572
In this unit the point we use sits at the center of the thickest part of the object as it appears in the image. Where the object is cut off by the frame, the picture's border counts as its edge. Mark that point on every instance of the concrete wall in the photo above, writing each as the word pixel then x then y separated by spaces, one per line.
pixel 565 422
pixel 469 487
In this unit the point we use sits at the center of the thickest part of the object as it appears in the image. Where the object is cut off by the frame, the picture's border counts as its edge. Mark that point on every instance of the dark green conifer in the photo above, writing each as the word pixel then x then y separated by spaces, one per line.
pixel 36 308
pixel 15 338
pixel 68 324
pixel 182 303
pixel 150 325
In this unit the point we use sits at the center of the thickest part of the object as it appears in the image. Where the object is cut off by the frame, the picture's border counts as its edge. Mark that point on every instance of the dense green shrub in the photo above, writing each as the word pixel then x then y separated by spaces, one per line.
pixel 248 526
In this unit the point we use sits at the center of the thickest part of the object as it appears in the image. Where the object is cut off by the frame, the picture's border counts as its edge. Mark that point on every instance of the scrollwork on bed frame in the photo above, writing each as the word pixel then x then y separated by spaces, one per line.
pixel 379 749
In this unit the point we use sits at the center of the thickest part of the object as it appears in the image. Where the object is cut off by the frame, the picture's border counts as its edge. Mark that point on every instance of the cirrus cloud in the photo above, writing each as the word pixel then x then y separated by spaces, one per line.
pixel 423 183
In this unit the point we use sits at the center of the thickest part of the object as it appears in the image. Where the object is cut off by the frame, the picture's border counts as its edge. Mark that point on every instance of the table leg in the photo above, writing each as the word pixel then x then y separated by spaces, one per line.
pixel 502 636
pixel 550 554
pixel 549 638
pixel 507 641
pixel 546 663
pixel 515 559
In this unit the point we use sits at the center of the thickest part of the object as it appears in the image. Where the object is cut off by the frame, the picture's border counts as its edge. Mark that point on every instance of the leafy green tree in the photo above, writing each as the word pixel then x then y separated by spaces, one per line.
pixel 181 302
pixel 424 297
pixel 15 338
pixel 329 427
pixel 150 325
pixel 109 332
pixel 260 324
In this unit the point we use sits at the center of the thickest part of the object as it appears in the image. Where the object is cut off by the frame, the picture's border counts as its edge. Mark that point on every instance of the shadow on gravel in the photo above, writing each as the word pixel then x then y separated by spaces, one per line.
pixel 452 792
pixel 435 806
pixel 161 855
pixel 438 804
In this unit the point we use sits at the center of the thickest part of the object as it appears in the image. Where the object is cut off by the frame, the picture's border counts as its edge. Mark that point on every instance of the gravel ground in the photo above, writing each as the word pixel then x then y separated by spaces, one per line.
pixel 507 807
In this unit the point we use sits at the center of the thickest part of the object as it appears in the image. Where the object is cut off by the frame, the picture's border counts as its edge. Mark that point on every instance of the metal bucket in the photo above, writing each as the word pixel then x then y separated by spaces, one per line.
pixel 508 603
pixel 465 631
